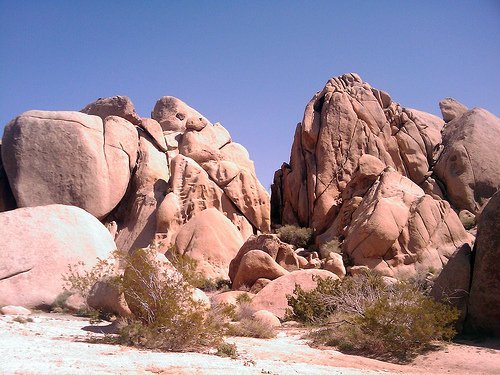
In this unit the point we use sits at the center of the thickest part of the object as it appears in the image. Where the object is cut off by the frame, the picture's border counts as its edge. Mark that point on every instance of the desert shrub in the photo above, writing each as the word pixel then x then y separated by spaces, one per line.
pixel 296 236
pixel 79 280
pixel 244 309
pixel 227 350
pixel 367 316
pixel 248 327
pixel 308 307
pixel 165 314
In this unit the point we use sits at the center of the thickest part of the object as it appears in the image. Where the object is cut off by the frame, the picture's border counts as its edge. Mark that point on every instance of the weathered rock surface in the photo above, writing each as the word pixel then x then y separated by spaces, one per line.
pixel 256 264
pixel 69 158
pixel 105 297
pixel 451 109
pixel 229 298
pixel 38 243
pixel 273 296
pixel 212 240
pixel 344 121
pixel 136 216
pixel 484 300
pixel 267 318
pixel 14 310
pixel 468 164
pixel 279 252
pixel 119 105
pixel 398 230
pixel 173 114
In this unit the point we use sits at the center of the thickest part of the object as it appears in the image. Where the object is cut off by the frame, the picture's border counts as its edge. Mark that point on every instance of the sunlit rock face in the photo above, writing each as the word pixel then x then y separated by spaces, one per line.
pixel 144 178
pixel 361 170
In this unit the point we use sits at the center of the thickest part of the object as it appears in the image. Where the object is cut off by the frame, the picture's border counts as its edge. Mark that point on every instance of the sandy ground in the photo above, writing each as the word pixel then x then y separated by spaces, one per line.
pixel 58 344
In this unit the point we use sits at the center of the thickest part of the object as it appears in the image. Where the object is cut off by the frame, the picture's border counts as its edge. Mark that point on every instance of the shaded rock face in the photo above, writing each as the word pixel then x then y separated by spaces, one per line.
pixel 7 201
pixel 484 300
pixel 69 158
pixel 38 243
pixel 468 164
pixel 344 121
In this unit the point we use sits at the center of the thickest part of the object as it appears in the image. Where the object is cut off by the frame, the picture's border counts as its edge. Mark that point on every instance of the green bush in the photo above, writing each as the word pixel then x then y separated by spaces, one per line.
pixel 227 350
pixel 296 236
pixel 333 246
pixel 308 307
pixel 165 315
pixel 367 316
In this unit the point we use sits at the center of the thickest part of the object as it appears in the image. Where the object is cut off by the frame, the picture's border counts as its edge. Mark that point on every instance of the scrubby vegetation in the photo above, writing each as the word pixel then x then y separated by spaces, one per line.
pixel 296 236
pixel 166 316
pixel 365 315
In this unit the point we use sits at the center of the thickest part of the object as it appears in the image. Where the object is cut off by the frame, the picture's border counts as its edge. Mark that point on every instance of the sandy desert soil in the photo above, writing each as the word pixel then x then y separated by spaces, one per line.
pixel 58 344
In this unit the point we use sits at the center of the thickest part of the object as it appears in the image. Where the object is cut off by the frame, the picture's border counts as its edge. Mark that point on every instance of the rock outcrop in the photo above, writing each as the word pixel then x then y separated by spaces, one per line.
pixel 273 296
pixel 38 244
pixel 69 158
pixel 344 121
pixel 145 178
pixel 210 239
pixel 468 164
pixel 377 177
pixel 484 300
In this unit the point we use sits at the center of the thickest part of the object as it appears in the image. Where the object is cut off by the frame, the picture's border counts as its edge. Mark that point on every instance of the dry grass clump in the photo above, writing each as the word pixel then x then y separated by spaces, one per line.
pixel 296 236
pixel 249 327
pixel 364 315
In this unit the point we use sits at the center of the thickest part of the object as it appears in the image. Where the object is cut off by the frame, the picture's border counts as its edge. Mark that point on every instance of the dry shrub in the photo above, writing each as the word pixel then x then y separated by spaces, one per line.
pixel 367 316
pixel 248 327
pixel 296 236
pixel 165 315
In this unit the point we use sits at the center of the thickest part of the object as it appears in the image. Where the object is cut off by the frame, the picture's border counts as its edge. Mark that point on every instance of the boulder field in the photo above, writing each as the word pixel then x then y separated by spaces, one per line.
pixel 383 187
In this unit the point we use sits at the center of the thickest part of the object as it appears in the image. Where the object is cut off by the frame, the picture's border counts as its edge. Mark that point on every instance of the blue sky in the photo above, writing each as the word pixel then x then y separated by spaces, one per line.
pixel 251 65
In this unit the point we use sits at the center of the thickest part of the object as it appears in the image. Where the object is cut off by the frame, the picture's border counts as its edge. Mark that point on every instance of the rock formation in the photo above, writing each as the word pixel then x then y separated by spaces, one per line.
pixel 377 176
pixel 144 178
pixel 38 243
pixel 69 158
pixel 484 301
pixel 468 164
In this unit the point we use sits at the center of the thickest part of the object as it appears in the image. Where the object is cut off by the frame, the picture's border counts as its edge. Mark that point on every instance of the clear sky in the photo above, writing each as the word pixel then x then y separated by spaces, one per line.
pixel 251 65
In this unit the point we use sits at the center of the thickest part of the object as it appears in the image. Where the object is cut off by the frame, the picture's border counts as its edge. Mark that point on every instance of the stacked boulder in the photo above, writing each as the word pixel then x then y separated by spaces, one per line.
pixel 174 180
pixel 396 186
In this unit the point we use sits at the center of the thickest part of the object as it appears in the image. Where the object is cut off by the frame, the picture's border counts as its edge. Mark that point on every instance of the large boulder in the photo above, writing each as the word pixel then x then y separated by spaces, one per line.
pixel 484 300
pixel 212 240
pixel 397 229
pixel 38 244
pixel 345 120
pixel 173 114
pixel 279 252
pixel 451 109
pixel 273 296
pixel 69 158
pixel 256 264
pixel 468 163
pixel 119 105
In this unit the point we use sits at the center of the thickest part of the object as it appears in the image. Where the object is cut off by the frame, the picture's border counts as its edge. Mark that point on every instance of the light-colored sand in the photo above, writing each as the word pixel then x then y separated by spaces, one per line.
pixel 57 344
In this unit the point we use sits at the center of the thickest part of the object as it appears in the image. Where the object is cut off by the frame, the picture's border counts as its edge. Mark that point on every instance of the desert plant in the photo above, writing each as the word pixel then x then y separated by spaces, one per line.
pixel 22 320
pixel 248 327
pixel 296 236
pixel 227 350
pixel 165 314
pixel 369 316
